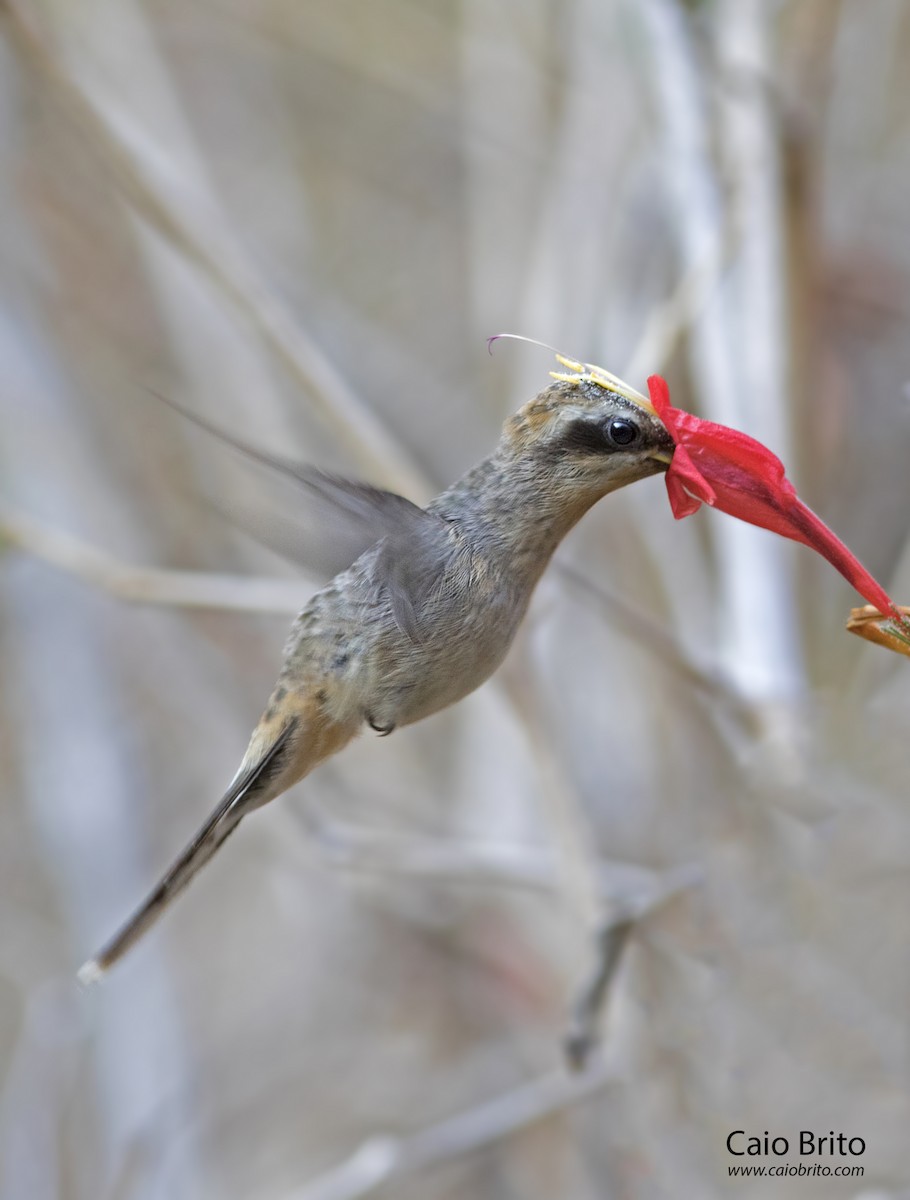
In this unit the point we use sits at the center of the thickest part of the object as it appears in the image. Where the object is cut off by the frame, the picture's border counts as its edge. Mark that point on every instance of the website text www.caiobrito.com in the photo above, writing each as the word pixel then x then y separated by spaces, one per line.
pixel 778 1170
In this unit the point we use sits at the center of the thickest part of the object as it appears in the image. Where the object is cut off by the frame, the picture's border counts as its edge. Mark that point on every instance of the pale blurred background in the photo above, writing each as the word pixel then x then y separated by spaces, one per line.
pixel 302 220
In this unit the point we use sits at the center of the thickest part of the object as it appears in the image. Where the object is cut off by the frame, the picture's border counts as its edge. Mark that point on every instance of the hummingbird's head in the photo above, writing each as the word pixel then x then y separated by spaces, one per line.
pixel 590 432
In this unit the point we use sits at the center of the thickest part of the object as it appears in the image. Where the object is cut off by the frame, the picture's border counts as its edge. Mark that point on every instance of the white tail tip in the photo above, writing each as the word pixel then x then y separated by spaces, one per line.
pixel 90 972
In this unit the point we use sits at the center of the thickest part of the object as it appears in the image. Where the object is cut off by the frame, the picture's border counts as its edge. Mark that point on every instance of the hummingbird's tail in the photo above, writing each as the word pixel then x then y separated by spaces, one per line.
pixel 252 786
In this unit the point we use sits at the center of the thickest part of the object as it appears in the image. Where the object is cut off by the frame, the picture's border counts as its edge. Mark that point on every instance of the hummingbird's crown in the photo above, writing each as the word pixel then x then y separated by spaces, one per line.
pixel 579 372
pixel 581 386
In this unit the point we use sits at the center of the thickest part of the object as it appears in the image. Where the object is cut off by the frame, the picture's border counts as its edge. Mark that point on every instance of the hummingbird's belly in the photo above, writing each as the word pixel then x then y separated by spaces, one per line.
pixel 418 679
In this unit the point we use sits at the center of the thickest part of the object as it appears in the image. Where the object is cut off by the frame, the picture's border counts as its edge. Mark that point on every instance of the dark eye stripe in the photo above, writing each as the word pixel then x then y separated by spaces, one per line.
pixel 584 436
pixel 594 437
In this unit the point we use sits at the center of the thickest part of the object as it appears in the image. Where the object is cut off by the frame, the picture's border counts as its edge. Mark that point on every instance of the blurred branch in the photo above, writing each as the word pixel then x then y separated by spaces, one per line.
pixel 205 237
pixel 731 715
pixel 654 638
pixel 628 891
pixel 383 1160
pixel 347 847
pixel 143 585
pixel 611 940
pixel 581 1036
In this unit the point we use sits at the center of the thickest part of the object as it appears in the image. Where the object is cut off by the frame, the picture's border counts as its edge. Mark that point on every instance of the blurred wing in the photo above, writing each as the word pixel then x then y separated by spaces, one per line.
pixel 343 518
pixel 339 520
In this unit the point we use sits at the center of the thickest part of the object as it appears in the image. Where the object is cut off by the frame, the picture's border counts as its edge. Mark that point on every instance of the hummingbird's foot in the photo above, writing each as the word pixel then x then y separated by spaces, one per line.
pixel 382 730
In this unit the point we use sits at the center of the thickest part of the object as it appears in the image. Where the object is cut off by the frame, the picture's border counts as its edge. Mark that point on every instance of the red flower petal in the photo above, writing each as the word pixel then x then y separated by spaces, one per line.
pixel 733 472
pixel 686 485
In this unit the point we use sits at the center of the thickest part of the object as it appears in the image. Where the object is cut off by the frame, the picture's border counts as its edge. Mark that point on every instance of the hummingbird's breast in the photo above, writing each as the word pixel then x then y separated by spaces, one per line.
pixel 464 626
pixel 463 635
pixel 350 645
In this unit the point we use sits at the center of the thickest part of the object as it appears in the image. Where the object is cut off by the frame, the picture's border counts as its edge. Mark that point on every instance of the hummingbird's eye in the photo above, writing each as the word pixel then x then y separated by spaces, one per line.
pixel 622 432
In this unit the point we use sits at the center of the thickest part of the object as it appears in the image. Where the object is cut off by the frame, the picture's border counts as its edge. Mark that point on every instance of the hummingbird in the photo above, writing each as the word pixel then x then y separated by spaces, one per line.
pixel 431 600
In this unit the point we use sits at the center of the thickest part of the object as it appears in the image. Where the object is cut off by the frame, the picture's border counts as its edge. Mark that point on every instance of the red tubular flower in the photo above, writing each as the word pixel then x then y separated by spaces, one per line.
pixel 733 472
